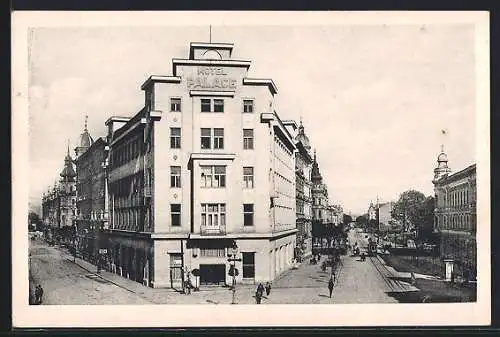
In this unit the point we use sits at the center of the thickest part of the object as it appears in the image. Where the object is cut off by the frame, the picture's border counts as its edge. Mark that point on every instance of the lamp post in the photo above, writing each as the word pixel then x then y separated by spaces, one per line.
pixel 232 258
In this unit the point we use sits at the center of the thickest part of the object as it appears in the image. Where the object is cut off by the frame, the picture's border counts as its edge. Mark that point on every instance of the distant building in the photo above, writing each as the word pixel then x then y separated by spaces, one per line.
pixel 59 204
pixel 455 216
pixel 91 183
pixel 372 212
pixel 385 216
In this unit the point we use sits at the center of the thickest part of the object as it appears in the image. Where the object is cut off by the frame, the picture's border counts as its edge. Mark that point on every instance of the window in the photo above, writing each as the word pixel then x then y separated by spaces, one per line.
pixel 248 177
pixel 206 105
pixel 212 252
pixel 175 176
pixel 213 215
pixel 175 138
pixel 213 176
pixel 218 105
pixel 175 266
pixel 248 264
pixel 175 214
pixel 205 138
pixel 218 138
pixel 248 105
pixel 175 104
pixel 248 139
pixel 247 214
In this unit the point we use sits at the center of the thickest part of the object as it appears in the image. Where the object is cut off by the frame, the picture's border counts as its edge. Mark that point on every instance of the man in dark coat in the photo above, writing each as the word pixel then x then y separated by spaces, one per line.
pixel 260 288
pixel 258 296
pixel 330 286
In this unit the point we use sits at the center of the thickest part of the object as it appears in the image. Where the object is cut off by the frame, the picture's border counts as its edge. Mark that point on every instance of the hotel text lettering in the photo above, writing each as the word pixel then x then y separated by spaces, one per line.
pixel 211 78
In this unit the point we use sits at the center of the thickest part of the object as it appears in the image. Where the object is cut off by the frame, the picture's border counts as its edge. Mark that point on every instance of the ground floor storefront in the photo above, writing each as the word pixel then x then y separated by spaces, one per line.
pixel 172 261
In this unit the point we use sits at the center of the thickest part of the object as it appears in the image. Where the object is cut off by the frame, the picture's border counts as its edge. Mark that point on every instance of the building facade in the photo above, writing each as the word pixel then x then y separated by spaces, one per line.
pixel 91 199
pixel 59 205
pixel 205 166
pixel 385 216
pixel 372 212
pixel 303 189
pixel 455 216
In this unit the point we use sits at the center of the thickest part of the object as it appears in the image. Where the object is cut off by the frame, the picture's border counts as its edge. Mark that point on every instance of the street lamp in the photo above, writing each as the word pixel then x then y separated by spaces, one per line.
pixel 232 258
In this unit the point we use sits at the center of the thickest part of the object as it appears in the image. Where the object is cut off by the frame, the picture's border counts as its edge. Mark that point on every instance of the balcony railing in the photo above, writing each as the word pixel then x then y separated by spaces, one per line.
pixel 220 230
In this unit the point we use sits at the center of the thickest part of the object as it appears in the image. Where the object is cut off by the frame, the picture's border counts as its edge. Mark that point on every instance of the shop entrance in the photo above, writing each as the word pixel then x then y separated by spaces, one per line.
pixel 212 274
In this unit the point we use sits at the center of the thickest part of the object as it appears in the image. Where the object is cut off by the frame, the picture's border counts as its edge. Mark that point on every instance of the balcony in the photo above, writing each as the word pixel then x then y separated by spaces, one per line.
pixel 213 231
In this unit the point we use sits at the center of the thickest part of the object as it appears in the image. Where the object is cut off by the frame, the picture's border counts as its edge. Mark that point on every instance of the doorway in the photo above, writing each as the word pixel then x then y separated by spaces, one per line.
pixel 212 274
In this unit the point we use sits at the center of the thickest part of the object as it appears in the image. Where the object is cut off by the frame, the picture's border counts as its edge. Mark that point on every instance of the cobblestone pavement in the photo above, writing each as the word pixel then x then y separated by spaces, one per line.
pixel 67 283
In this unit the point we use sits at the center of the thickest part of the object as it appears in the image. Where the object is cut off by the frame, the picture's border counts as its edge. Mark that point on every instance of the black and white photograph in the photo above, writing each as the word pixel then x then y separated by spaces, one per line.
pixel 289 164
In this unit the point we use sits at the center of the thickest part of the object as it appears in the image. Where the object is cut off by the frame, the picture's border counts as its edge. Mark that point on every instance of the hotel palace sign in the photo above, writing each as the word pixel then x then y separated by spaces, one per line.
pixel 211 78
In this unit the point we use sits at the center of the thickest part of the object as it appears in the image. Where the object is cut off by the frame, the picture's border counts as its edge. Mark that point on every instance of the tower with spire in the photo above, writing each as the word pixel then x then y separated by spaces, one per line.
pixel 67 192
pixel 86 141
pixel 319 193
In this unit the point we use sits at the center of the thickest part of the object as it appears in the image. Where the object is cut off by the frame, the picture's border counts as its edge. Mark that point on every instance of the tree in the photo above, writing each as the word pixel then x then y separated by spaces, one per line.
pixel 372 226
pixel 361 221
pixel 347 219
pixel 425 227
pixel 34 219
pixel 408 209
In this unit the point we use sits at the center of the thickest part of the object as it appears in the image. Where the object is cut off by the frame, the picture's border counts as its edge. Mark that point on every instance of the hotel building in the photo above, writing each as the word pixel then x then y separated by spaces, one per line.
pixel 205 165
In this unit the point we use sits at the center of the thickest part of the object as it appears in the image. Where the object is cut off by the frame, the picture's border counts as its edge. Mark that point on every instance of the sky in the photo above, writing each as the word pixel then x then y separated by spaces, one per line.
pixel 373 98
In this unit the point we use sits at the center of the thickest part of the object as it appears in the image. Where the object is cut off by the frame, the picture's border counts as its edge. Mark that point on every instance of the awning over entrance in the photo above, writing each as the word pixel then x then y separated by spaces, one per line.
pixel 210 243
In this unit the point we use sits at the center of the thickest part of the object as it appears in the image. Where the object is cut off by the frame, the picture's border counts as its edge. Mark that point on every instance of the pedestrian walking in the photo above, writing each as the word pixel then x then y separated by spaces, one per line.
pixel 330 286
pixel 268 288
pixel 37 294
pixel 258 297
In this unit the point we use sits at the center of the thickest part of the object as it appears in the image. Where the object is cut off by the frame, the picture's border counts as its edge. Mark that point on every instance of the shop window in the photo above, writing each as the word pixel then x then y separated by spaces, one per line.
pixel 248 264
pixel 175 266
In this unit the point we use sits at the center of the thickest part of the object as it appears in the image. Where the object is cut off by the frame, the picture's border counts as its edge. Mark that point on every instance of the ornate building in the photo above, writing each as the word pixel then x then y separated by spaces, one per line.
pixel 372 211
pixel 59 206
pixel 91 186
pixel 455 217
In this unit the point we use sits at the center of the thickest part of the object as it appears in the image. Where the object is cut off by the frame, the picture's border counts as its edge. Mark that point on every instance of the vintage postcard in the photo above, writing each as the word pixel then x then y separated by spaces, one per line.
pixel 250 169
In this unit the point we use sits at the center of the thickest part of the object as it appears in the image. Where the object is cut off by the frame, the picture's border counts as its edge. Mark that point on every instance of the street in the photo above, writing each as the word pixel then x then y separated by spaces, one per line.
pixel 65 282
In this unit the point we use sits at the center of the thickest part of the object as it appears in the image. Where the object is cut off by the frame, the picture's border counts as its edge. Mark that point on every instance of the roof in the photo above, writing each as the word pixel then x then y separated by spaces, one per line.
pixel 458 175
